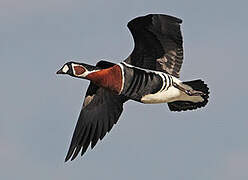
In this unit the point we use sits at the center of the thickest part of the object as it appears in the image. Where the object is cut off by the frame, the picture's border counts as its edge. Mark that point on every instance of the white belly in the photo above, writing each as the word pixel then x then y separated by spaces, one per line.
pixel 169 95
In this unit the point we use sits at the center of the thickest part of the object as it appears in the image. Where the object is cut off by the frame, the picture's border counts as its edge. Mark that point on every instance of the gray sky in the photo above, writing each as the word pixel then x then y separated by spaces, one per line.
pixel 38 109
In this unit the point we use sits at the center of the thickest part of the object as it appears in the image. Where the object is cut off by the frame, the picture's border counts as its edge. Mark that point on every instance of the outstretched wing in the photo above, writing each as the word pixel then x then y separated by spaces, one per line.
pixel 158 43
pixel 101 110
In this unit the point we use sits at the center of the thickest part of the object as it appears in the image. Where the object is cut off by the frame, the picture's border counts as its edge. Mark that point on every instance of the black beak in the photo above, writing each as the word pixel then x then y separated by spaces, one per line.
pixel 60 72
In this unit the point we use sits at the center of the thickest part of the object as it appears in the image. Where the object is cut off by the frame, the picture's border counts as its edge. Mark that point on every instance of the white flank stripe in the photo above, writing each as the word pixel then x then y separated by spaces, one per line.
pixel 167 80
pixel 164 82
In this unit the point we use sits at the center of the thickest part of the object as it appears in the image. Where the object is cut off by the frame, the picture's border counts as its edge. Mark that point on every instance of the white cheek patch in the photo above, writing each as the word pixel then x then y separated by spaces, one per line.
pixel 65 69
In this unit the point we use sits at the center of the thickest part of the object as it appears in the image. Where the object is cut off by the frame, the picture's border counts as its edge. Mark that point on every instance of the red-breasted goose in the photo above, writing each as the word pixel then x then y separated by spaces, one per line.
pixel 149 75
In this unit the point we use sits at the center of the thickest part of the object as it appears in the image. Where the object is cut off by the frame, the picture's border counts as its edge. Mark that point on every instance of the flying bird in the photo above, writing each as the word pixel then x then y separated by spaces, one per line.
pixel 150 74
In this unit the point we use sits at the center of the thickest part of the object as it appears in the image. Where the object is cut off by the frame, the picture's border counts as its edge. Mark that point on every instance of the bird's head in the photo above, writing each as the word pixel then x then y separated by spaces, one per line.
pixel 75 69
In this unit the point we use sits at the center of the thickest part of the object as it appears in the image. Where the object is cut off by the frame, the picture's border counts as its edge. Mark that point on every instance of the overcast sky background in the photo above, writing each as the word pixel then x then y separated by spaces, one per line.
pixel 39 110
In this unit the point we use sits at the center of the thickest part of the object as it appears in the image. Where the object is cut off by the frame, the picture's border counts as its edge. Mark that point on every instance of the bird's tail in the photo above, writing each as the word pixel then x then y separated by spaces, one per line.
pixel 194 101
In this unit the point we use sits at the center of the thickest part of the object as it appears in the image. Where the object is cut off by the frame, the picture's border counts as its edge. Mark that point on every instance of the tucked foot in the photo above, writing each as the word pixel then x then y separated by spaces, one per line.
pixel 194 93
pixel 190 92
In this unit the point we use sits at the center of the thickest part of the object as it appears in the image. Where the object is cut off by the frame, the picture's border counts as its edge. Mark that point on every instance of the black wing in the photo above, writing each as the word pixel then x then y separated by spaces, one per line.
pixel 101 110
pixel 158 43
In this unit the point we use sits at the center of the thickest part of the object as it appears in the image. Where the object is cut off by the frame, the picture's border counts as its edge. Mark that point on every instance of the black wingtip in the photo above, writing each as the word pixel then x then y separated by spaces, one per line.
pixel 93 144
pixel 68 156
pixel 70 152
pixel 143 21
pixel 76 153
pixel 66 159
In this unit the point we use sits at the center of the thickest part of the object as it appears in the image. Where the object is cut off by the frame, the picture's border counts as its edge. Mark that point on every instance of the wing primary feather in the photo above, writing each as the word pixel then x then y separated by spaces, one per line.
pixel 76 153
pixel 96 136
pixel 69 154
pixel 85 147
pixel 79 129
pixel 85 136
pixel 111 122
pixel 92 131
pixel 87 142
pixel 104 130
pixel 74 143
pixel 77 144
pixel 105 120
pixel 82 142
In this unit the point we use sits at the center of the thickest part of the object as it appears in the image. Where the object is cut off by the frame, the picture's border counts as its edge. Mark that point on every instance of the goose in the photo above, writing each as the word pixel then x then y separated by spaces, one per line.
pixel 150 74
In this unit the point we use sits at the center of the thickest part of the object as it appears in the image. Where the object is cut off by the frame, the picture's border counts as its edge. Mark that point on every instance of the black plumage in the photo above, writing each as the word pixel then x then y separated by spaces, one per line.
pixel 139 83
pixel 158 43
